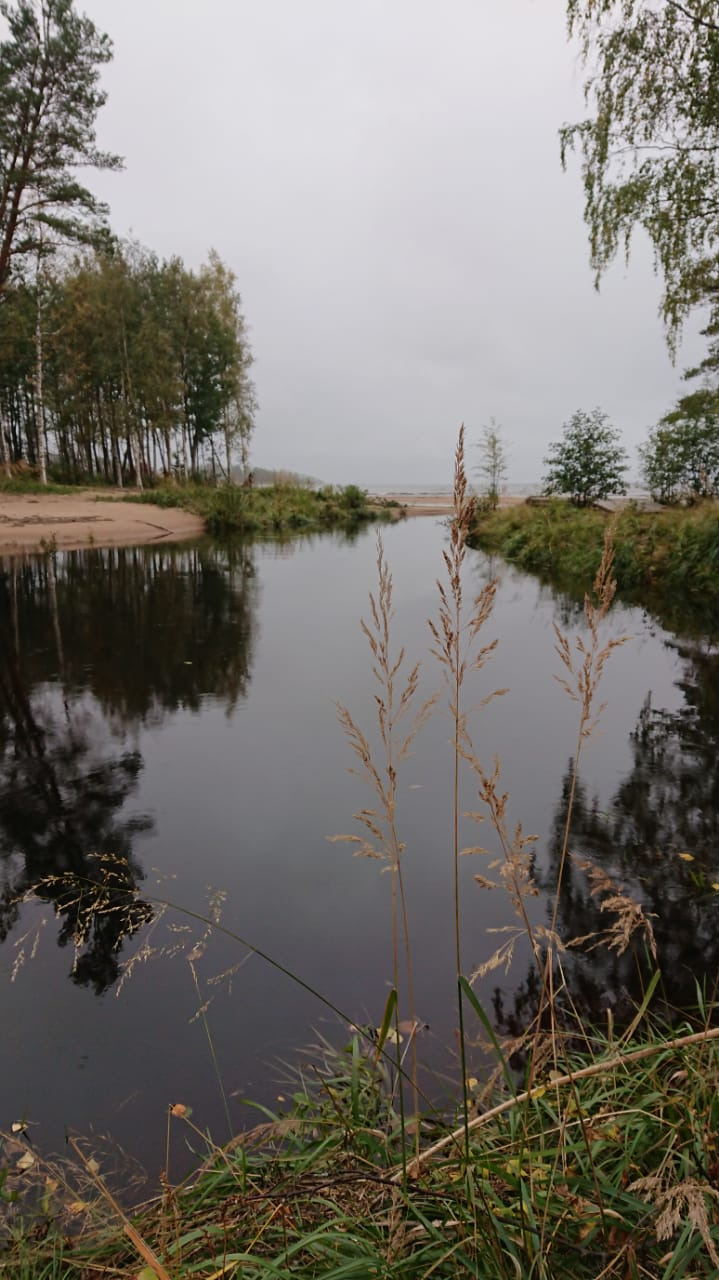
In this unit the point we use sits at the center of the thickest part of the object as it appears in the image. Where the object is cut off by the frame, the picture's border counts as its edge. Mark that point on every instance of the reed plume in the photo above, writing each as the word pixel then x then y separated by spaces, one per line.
pixel 395 702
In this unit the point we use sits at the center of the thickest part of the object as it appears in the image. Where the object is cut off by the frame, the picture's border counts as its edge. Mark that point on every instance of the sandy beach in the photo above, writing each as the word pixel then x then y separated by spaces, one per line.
pixel 28 521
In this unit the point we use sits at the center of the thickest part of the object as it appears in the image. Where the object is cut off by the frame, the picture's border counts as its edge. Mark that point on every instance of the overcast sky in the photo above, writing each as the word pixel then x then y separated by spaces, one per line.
pixel 383 177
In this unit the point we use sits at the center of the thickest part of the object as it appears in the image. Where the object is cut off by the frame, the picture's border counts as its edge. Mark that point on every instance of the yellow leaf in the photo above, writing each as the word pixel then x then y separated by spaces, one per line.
pixel 715 886
pixel 472 1082
pixel 686 857
pixel 26 1162
pixel 588 1227
pixel 93 1166
pixel 147 1273
pixel 77 1206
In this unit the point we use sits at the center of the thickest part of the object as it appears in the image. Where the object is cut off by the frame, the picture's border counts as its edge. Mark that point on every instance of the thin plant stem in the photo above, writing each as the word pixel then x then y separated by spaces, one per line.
pixel 210 1041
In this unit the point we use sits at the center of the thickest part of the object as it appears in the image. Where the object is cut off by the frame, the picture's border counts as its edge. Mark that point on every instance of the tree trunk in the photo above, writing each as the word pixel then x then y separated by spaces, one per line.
pixel 39 394
pixel 4 456
pixel 129 405
pixel 228 447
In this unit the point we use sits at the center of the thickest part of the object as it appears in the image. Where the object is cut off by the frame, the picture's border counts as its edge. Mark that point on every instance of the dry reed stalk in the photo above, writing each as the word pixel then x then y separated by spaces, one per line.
pixel 143 1249
pixel 455 646
pixel 584 664
pixel 454 638
pixel 585 669
pixel 393 706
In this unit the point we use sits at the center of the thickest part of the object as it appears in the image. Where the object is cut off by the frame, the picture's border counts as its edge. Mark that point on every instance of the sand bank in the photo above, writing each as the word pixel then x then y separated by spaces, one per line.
pixel 27 521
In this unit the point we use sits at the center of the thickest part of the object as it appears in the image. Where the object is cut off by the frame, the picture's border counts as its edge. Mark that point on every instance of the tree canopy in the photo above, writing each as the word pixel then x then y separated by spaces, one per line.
pixel 589 462
pixel 49 99
pixel 146 368
pixel 680 459
pixel 650 147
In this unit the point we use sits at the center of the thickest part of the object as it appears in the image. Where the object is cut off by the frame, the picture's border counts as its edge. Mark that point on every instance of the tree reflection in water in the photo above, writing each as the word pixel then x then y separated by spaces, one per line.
pixel 659 840
pixel 93 644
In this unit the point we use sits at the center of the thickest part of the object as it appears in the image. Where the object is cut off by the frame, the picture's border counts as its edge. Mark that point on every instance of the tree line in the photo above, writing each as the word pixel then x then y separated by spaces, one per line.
pixel 126 368
pixel 119 366
pixel 679 461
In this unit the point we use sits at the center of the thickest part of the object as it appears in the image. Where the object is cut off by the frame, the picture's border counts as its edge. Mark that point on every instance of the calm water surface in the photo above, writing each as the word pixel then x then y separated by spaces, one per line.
pixel 174 708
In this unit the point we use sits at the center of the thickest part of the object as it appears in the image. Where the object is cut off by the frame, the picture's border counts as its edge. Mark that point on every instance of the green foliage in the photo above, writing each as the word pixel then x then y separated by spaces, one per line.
pixel 266 509
pixel 25 483
pixel 146 369
pixel 649 147
pixel 49 100
pixel 589 462
pixel 492 468
pixel 352 498
pixel 605 1174
pixel 676 551
pixel 680 460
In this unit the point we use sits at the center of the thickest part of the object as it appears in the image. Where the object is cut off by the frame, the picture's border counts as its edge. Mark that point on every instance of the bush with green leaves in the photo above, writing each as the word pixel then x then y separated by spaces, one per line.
pixel 589 462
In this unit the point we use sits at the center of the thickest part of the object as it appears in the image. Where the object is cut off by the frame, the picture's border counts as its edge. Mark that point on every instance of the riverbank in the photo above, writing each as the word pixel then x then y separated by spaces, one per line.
pixel 674 551
pixel 36 518
pixel 70 519
pixel 603 1169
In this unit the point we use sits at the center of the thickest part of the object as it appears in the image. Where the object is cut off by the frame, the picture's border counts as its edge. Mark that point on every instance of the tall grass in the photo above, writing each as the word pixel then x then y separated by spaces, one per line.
pixel 599 1157
pixel 381 840
pixel 268 509
pixel 676 549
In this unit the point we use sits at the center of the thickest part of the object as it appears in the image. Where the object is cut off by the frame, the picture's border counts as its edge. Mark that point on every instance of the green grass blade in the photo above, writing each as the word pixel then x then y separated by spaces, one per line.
pixel 474 1002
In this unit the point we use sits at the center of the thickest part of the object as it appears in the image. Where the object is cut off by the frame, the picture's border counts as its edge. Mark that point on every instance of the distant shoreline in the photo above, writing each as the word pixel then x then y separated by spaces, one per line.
pixel 435 504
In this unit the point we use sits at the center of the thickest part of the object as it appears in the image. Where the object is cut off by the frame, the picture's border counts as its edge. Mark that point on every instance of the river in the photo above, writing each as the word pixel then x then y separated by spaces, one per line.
pixel 168 727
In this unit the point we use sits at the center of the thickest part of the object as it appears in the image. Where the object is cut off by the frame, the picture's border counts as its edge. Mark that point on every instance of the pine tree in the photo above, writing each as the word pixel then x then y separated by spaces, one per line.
pixel 49 100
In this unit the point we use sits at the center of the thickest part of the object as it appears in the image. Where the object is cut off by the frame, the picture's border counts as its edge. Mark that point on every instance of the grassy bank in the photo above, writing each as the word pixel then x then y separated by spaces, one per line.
pixel 604 1171
pixel 269 509
pixel 676 550
pixel 234 509
pixel 25 483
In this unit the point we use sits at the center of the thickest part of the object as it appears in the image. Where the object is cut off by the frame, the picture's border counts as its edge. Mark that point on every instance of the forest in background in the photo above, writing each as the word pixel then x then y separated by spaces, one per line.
pixel 124 369
pixel 114 366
